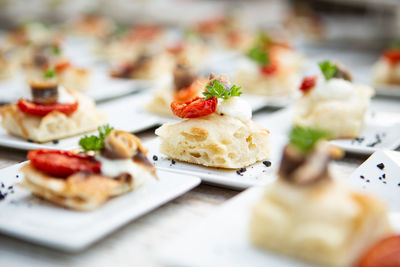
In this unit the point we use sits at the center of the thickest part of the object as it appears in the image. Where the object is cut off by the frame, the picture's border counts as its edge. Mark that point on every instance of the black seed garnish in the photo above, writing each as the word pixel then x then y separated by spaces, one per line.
pixel 155 158
pixel 381 166
pixel 384 182
pixel 55 142
pixel 362 176
pixel 398 184
pixel 173 161
pixel 30 140
pixel 2 185
pixel 17 176
pixel 267 163
pixel 380 178
pixel 243 169
pixel 367 181
pixel 10 187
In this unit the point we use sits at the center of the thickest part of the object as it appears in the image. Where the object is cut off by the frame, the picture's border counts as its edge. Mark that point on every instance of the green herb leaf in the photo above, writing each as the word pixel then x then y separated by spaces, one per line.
pixel 259 55
pixel 218 90
pixel 306 138
pixel 263 38
pixel 328 69
pixel 55 49
pixel 49 73
pixel 95 143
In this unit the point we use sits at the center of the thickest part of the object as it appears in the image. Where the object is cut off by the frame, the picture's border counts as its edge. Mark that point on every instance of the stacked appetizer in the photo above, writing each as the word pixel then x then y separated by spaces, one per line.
pixel 217 130
pixel 387 69
pixel 108 165
pixel 51 113
pixel 332 102
pixel 309 214
pixel 185 86
pixel 272 68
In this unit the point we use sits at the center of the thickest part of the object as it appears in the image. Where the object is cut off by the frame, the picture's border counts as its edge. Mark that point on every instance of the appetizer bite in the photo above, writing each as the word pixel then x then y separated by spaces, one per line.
pixel 309 214
pixel 272 68
pixel 147 65
pixel 106 166
pixel 92 25
pixel 8 65
pixel 217 130
pixel 185 86
pixel 332 102
pixel 387 69
pixel 51 113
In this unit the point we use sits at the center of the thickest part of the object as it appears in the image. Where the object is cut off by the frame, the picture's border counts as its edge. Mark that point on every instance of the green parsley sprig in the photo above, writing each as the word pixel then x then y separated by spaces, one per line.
pixel 56 49
pixel 259 55
pixel 49 73
pixel 95 143
pixel 306 138
pixel 328 69
pixel 219 91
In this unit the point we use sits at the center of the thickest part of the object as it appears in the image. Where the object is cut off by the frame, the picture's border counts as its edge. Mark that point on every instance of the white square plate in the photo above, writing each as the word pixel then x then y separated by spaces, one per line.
pixel 122 114
pixel 379 125
pixel 254 175
pixel 387 90
pixel 38 221
pixel 222 239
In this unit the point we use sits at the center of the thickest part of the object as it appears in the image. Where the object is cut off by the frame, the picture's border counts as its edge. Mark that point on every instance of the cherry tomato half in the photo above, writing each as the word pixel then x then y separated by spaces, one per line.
pixel 308 83
pixel 32 108
pixel 392 55
pixel 385 253
pixel 62 65
pixel 269 69
pixel 63 163
pixel 198 107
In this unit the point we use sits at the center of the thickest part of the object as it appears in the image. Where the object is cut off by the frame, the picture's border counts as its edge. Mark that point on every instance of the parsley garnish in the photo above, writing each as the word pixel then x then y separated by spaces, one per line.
pixel 328 69
pixel 95 143
pixel 49 73
pixel 55 49
pixel 259 55
pixel 306 138
pixel 218 90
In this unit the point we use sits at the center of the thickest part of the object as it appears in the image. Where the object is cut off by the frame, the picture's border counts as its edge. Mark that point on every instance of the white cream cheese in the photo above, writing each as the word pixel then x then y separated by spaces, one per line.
pixel 114 167
pixel 64 97
pixel 334 89
pixel 235 107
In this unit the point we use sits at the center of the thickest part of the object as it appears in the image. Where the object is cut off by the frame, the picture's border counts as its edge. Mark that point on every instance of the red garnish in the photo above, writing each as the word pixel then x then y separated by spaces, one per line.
pixel 37 109
pixel 176 48
pixel 392 55
pixel 308 83
pixel 63 163
pixel 385 253
pixel 269 69
pixel 195 108
pixel 62 65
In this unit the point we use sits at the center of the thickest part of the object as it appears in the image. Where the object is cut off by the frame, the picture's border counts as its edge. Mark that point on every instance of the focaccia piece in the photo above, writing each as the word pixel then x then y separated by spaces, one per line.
pixel 215 140
pixel 54 125
pixel 326 224
pixel 344 119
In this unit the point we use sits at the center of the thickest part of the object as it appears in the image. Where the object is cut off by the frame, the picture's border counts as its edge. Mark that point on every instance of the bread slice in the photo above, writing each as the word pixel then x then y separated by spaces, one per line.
pixel 324 224
pixel 215 141
pixel 55 125
pixel 344 119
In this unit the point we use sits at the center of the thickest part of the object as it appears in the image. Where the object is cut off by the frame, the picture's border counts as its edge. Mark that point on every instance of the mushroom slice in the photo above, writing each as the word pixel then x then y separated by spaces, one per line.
pixel 120 144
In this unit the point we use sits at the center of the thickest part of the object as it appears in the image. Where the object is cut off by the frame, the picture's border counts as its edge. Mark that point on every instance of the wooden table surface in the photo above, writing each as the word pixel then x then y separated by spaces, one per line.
pixel 134 244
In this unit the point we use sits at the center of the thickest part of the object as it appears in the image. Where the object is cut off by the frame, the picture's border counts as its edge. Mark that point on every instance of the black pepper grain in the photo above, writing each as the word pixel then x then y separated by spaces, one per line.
pixel 267 163
pixel 381 166
pixel 2 185
pixel 362 176
pixel 243 169
pixel 384 176
pixel 55 142
pixel 30 140
pixel 155 158
pixel 367 181
pixel 384 182
pixel 173 161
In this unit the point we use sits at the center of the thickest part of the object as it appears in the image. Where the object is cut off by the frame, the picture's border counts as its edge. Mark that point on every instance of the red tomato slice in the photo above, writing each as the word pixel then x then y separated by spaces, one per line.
pixel 385 253
pixel 63 163
pixel 62 65
pixel 269 69
pixel 36 109
pixel 198 107
pixel 392 55
pixel 308 83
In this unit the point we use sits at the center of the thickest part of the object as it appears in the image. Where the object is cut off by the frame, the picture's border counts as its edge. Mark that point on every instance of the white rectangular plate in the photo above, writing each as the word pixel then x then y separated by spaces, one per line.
pixel 387 90
pixel 38 221
pixel 254 175
pixel 222 239
pixel 379 125
pixel 122 114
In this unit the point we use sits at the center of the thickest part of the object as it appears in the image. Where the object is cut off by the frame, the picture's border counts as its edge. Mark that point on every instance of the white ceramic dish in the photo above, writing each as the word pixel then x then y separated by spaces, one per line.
pixel 122 114
pixel 222 239
pixel 387 90
pixel 27 217
pixel 254 175
pixel 379 125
